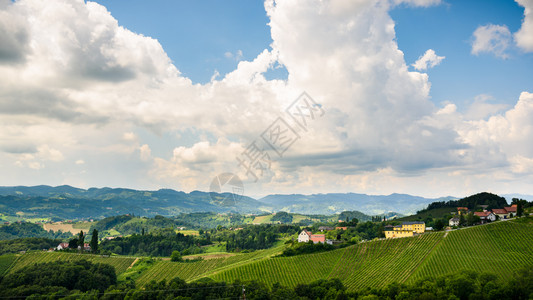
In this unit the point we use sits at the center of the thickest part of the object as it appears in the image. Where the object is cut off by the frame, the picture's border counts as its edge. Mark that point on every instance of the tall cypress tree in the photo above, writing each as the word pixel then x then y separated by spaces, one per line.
pixel 81 240
pixel 94 241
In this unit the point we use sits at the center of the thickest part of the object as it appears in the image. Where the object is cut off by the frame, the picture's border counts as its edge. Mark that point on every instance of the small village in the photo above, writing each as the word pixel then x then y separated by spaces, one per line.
pixel 408 229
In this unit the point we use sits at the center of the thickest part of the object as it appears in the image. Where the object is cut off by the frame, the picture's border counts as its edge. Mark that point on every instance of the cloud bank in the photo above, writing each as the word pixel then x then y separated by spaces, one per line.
pixel 89 103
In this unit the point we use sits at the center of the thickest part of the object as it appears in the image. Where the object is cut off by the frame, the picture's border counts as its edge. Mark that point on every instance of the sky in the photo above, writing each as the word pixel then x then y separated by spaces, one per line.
pixel 425 97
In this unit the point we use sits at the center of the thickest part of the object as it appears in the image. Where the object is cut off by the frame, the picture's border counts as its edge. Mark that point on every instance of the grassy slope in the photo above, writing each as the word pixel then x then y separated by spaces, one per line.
pixel 120 263
pixel 434 213
pixel 6 261
pixel 500 248
pixel 195 270
pixel 358 266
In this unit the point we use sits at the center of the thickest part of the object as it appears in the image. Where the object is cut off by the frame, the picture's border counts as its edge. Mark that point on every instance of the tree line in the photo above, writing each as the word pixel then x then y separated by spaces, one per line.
pixel 83 279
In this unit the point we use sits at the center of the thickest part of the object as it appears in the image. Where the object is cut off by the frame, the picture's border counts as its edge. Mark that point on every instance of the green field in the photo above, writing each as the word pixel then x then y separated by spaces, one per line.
pixel 120 263
pixel 6 261
pixel 195 270
pixel 373 263
pixel 500 248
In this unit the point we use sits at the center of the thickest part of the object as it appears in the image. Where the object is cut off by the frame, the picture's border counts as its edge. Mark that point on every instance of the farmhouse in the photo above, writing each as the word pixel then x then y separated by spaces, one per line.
pixel 325 228
pixel 405 230
pixel 462 210
pixel 501 213
pixel 306 236
pixel 512 210
pixel 62 246
pixel 485 216
pixel 454 221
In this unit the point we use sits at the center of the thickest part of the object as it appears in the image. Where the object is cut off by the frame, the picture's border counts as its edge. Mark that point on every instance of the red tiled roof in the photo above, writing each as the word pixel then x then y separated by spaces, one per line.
pixel 510 209
pixel 482 213
pixel 318 238
pixel 499 211
pixel 462 208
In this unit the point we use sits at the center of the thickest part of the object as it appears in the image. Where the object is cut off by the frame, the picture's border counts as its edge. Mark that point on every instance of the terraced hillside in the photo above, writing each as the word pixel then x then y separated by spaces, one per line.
pixel 368 264
pixel 501 248
pixel 120 263
pixel 6 261
pixel 166 270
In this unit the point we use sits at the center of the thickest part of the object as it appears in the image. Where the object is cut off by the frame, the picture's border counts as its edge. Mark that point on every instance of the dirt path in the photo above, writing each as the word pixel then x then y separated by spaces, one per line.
pixel 133 263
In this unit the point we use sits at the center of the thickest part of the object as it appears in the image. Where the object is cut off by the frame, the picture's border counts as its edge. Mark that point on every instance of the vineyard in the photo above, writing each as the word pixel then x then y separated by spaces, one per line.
pixel 368 264
pixel 6 261
pixel 166 270
pixel 500 248
pixel 120 263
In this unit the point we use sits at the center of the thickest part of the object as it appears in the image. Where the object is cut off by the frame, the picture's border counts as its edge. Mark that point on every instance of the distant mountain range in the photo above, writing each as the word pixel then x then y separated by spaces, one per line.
pixel 67 202
pixel 336 203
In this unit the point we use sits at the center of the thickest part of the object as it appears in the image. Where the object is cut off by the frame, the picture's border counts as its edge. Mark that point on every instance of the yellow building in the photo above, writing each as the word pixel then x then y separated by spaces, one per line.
pixel 405 230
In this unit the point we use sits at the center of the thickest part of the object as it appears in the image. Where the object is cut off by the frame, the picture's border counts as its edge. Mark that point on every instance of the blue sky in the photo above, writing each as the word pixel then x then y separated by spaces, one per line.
pixel 426 97
pixel 447 29
pixel 197 34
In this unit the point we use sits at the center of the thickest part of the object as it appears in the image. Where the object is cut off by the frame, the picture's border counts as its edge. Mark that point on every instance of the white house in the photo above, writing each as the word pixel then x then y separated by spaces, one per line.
pixel 62 246
pixel 304 236
pixel 485 216
pixel 500 212
pixel 454 221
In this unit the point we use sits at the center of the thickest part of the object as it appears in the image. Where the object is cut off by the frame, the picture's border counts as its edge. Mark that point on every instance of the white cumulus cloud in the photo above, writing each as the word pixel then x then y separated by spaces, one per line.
pixel 524 36
pixel 428 60
pixel 491 38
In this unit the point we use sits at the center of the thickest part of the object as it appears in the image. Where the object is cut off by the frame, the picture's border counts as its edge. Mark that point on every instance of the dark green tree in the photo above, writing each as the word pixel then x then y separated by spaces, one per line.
pixel 462 220
pixel 81 240
pixel 73 243
pixel 439 224
pixel 94 241
pixel 176 256
pixel 472 219
pixel 519 209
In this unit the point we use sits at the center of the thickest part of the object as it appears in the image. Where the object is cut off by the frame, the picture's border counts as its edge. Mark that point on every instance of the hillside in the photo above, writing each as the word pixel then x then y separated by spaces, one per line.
pixel 67 203
pixel 337 202
pixel 120 264
pixel 501 248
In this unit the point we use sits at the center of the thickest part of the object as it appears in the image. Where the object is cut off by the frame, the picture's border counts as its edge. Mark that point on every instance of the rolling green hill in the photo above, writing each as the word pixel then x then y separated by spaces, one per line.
pixel 500 248
pixel 121 264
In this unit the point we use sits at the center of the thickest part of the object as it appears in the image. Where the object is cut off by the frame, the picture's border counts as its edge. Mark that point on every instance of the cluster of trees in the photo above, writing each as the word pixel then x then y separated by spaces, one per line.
pixel 159 243
pixel 472 202
pixel 129 224
pixel 58 277
pixel 25 244
pixel 459 285
pixel 355 231
pixel 254 237
pixel 305 248
pixel 282 217
pixel 26 229
pixel 79 242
